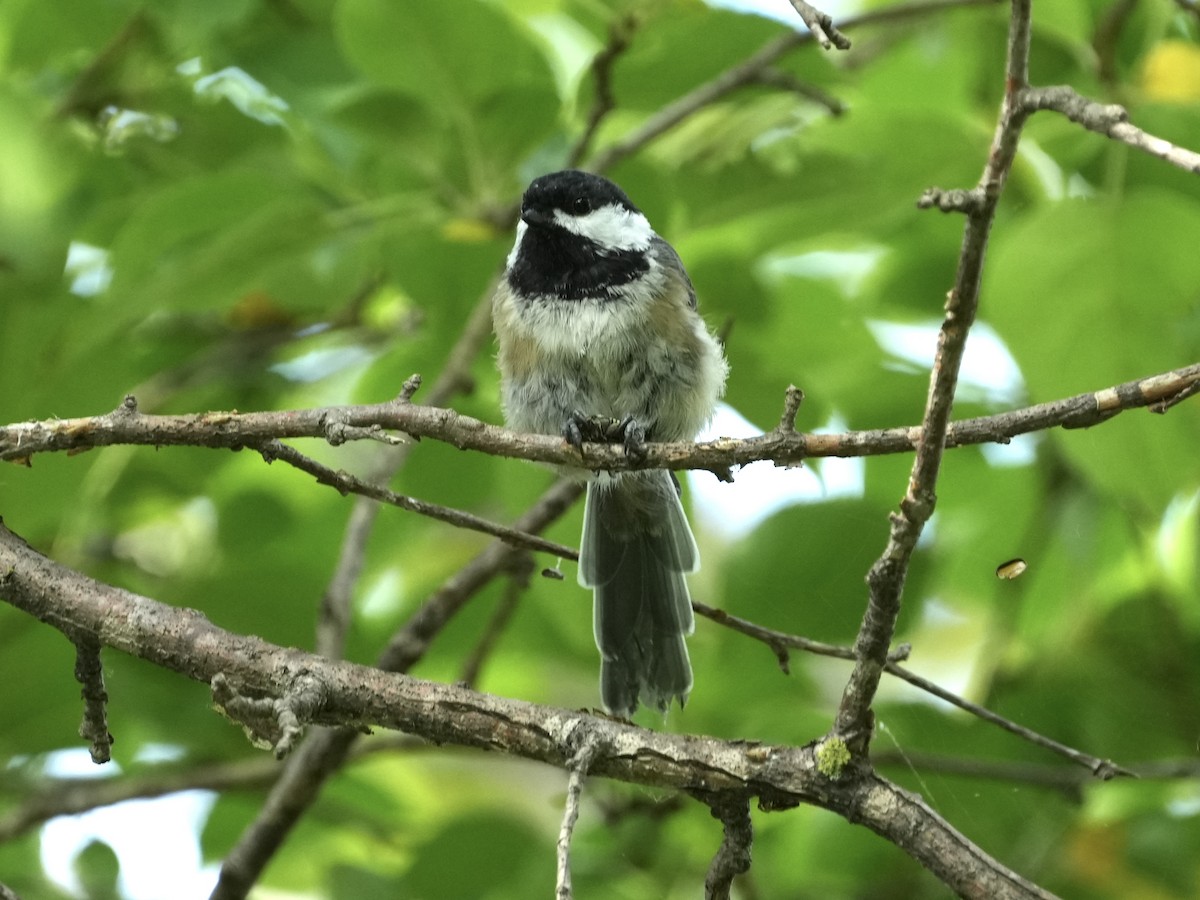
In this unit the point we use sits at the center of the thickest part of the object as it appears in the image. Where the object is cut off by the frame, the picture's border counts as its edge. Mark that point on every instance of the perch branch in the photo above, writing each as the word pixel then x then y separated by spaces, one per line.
pixel 21 441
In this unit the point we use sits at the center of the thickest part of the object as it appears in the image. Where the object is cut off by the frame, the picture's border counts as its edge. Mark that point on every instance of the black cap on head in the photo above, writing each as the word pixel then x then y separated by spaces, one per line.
pixel 572 191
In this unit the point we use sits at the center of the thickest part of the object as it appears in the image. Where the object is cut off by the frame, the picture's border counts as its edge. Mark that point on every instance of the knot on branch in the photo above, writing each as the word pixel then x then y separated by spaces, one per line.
pixel 791 408
pixel 270 723
pixel 899 653
pixel 411 385
pixel 127 407
pixel 956 200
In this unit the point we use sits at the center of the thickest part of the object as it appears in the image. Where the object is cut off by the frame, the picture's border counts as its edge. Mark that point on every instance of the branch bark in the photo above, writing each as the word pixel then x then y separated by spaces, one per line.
pixel 855 720
pixel 324 752
pixel 21 441
pixel 352 696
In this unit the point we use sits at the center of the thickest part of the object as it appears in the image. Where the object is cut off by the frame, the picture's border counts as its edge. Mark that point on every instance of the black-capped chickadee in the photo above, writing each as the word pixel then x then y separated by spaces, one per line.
pixel 599 339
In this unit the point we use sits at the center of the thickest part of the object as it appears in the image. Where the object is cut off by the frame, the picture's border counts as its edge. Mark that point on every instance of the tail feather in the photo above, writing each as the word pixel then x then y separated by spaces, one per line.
pixel 635 551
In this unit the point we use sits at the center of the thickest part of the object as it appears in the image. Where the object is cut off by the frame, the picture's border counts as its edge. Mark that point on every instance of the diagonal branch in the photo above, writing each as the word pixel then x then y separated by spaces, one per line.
pixel 348 484
pixel 620 35
pixel 781 642
pixel 1109 120
pixel 334 613
pixel 854 722
pixel 821 26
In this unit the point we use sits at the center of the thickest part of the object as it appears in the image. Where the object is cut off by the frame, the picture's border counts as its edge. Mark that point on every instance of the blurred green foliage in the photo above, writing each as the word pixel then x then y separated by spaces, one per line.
pixel 264 205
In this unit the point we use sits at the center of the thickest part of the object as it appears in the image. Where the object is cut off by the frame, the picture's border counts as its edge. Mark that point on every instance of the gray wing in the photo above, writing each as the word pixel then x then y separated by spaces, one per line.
pixel 666 256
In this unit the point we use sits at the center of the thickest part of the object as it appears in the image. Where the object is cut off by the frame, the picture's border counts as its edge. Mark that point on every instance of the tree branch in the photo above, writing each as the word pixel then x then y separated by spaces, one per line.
pixel 348 484
pixel 821 26
pixel 517 584
pixel 323 753
pixel 21 441
pixel 854 722
pixel 781 642
pixel 620 34
pixel 53 797
pixel 1109 120
pixel 334 614
pixel 578 766
pixel 352 696
pixel 748 72
pixel 733 856
pixel 89 672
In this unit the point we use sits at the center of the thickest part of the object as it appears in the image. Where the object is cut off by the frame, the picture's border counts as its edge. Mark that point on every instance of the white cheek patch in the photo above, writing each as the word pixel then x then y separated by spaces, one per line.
pixel 512 254
pixel 610 227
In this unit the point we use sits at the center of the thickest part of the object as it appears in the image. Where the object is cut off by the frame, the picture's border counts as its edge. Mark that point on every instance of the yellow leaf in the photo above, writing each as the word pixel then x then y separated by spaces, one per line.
pixel 1172 72
pixel 468 231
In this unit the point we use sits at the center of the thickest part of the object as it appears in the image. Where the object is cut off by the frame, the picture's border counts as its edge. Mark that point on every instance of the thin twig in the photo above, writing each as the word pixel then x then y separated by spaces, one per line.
pixel 785 81
pixel 348 484
pixel 821 26
pixel 516 585
pixel 620 34
pixel 1103 769
pixel 781 642
pixel 578 766
pixel 86 94
pixel 1107 119
pixel 747 71
pixel 89 672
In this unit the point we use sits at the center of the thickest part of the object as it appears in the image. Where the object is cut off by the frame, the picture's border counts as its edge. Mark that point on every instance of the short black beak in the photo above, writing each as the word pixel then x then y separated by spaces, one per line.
pixel 531 216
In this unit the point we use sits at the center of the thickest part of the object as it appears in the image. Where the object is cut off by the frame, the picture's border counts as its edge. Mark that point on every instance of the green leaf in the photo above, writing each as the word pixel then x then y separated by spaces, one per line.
pixel 1079 291
pixel 454 55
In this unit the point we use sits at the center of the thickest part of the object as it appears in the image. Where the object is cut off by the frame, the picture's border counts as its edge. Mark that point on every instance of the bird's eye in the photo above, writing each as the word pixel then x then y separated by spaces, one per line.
pixel 581 206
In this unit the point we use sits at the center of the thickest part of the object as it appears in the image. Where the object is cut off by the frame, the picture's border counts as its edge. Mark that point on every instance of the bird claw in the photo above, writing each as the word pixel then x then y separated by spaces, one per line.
pixel 580 428
pixel 633 436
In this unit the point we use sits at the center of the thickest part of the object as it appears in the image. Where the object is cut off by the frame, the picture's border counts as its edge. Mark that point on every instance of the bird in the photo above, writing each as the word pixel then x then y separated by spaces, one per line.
pixel 599 339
